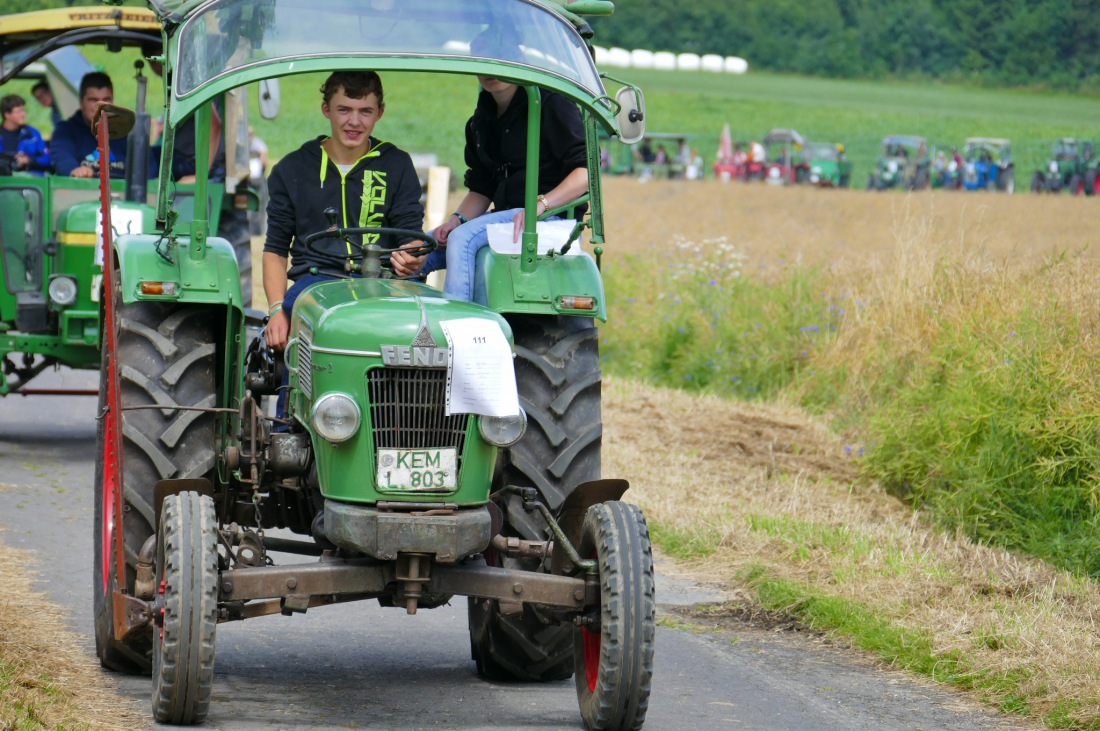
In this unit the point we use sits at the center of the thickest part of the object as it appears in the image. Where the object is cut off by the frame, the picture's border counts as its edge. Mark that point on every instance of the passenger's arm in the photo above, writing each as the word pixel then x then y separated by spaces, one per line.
pixel 574 186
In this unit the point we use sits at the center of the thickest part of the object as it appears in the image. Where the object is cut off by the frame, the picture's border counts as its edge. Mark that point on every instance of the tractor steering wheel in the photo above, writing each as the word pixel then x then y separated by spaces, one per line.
pixel 371 252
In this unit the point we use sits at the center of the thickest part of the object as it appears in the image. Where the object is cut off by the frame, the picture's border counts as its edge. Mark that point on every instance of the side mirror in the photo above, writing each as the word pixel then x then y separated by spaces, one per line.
pixel 120 120
pixel 269 98
pixel 631 116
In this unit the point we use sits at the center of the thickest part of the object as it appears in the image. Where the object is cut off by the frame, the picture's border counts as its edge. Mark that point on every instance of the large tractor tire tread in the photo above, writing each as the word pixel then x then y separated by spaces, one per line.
pixel 168 360
pixel 558 376
pixel 234 227
pixel 518 647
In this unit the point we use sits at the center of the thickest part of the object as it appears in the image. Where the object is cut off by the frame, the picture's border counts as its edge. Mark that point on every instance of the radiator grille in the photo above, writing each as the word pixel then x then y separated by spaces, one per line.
pixel 407 408
pixel 305 364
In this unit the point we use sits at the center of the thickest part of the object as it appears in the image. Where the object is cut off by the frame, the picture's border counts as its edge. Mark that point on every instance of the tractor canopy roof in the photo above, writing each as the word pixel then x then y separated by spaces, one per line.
pixel 823 151
pixel 996 147
pixel 216 45
pixel 784 137
pixel 991 142
pixel 905 140
pixel 28 37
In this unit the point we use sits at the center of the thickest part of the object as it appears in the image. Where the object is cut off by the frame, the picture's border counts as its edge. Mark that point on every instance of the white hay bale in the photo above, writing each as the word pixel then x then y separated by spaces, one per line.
pixel 736 65
pixel 640 58
pixel 618 57
pixel 688 62
pixel 664 61
pixel 712 62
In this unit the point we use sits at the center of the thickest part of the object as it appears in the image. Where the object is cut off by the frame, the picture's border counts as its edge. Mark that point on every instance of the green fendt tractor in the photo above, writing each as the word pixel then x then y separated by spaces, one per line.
pixel 1073 167
pixel 435 448
pixel 50 258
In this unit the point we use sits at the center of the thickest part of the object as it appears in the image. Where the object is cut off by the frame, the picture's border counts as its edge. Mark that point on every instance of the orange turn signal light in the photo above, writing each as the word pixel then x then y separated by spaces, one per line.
pixel 572 302
pixel 159 288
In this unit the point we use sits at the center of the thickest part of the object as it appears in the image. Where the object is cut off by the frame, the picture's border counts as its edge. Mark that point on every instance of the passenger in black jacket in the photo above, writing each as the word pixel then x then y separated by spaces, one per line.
pixel 496 158
pixel 371 183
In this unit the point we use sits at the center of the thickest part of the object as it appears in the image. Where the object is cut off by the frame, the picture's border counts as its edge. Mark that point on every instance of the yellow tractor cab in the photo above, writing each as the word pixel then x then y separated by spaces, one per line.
pixel 42 45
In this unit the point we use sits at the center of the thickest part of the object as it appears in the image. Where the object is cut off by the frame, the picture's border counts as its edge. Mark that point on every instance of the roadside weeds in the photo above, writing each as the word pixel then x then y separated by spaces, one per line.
pixel 767 501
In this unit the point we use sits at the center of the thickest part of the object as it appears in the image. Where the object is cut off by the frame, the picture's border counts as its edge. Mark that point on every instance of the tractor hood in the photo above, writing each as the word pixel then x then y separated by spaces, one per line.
pixel 361 316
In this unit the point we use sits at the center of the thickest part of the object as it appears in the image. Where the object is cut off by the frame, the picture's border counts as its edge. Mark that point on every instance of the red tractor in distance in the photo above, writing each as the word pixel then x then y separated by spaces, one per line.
pixel 785 163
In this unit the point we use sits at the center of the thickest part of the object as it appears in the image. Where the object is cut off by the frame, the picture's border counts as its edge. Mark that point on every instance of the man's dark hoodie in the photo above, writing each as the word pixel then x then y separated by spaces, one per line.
pixel 306 182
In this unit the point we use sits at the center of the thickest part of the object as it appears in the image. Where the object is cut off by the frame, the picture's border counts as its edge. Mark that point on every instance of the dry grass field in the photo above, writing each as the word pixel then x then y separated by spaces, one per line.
pixel 838 227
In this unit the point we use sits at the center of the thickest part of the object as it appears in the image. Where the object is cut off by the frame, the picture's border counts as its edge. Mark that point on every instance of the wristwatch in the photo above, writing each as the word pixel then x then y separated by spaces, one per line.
pixel 543 200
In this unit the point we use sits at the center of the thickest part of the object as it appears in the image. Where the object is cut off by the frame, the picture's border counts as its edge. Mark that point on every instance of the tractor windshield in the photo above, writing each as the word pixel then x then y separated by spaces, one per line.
pixel 823 151
pixel 228 35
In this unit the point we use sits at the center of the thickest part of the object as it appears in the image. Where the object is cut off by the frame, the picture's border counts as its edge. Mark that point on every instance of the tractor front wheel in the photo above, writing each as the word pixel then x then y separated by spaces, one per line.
pixel 186 610
pixel 1090 182
pixel 1037 181
pixel 613 660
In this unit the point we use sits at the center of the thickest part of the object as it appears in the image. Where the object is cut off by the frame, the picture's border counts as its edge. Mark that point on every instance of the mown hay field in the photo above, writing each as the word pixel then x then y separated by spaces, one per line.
pixel 831 228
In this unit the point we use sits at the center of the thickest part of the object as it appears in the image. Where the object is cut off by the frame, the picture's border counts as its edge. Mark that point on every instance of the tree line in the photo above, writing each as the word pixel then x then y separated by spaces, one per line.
pixel 1043 43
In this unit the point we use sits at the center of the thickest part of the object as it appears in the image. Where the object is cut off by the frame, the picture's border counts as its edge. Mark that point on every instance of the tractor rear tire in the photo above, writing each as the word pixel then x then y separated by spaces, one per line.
pixel 1037 183
pixel 558 376
pixel 1006 181
pixel 166 357
pixel 235 228
pixel 614 661
pixel 187 572
pixel 1090 183
pixel 1074 185
pixel 112 653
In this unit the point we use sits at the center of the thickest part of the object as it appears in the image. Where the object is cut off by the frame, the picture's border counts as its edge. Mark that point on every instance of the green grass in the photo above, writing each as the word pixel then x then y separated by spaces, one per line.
pixel 713 326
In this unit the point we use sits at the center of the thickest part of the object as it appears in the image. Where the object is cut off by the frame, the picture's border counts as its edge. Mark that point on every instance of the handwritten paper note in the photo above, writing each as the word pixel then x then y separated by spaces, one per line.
pixel 552 236
pixel 480 376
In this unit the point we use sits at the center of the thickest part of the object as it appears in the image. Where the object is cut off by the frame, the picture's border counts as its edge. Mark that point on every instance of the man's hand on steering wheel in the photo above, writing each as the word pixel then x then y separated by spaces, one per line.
pixel 406 264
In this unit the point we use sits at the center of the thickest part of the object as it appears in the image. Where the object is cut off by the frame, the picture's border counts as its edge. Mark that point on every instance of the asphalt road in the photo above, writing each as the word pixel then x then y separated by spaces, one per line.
pixel 357 666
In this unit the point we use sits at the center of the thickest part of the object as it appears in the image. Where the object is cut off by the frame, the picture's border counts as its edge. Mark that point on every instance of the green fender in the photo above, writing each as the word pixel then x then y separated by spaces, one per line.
pixel 212 279
pixel 541 292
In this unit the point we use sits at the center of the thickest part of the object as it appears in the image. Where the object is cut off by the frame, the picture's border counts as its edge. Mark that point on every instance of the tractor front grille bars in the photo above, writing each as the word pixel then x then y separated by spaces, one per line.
pixel 407 409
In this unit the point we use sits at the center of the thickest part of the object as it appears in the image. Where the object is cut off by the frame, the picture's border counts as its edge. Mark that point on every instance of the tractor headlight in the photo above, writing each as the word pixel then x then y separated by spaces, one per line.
pixel 892 166
pixel 1054 167
pixel 62 290
pixel 503 431
pixel 336 417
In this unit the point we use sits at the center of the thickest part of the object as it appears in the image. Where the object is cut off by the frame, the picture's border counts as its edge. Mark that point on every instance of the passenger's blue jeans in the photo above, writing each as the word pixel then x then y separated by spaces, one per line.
pixel 460 255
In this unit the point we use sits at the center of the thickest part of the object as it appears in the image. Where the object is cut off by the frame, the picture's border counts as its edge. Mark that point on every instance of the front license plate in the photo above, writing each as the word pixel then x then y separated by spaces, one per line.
pixel 417 469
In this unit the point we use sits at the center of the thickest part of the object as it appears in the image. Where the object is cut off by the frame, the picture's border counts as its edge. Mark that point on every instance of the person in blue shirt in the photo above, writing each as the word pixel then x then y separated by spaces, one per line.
pixel 24 144
pixel 74 146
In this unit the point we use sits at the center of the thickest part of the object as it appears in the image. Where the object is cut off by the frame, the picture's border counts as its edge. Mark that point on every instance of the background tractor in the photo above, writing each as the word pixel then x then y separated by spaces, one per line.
pixel 988 165
pixel 1073 167
pixel 785 161
pixel 433 447
pixel 829 167
pixel 904 164
pixel 50 263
